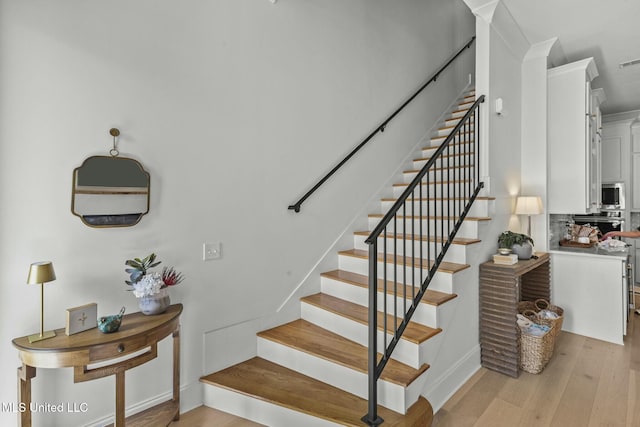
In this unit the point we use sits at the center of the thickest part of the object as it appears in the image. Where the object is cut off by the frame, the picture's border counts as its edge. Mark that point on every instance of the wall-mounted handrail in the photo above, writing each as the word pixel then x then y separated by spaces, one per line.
pixel 297 205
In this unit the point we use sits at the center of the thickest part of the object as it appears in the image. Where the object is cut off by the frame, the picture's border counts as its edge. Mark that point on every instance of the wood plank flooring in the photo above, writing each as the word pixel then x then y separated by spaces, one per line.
pixel 588 383
pixel 203 416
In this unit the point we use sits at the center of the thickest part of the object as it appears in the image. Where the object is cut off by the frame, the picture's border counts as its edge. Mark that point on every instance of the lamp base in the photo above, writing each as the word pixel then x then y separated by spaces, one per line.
pixel 38 337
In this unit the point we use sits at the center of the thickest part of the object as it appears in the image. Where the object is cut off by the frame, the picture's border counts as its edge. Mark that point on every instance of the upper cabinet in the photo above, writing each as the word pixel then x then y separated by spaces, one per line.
pixel 635 167
pixel 574 139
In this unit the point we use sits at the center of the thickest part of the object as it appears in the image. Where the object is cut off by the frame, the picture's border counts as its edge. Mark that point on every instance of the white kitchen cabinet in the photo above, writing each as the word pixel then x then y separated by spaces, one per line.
pixel 592 290
pixel 573 141
pixel 635 190
pixel 612 159
pixel 635 136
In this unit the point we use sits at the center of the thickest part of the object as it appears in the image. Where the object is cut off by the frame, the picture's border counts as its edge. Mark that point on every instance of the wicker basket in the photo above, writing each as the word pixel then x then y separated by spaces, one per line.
pixel 543 304
pixel 535 351
pixel 539 305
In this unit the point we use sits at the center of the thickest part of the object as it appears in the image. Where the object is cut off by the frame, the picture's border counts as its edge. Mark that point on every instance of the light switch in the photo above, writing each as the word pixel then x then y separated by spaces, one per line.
pixel 211 251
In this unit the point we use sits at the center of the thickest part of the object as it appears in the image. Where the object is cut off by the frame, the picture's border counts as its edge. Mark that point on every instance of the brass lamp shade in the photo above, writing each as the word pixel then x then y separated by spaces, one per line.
pixel 41 273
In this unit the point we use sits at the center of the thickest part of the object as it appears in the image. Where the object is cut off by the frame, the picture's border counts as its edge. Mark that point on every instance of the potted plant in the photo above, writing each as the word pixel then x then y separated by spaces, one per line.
pixel 520 244
pixel 151 289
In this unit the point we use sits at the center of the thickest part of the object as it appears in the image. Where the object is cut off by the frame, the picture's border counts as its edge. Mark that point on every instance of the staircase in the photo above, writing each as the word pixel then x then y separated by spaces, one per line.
pixel 314 371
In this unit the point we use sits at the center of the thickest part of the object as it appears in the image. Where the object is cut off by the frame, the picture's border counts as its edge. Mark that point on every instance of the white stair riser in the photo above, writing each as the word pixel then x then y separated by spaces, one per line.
pixel 453 121
pixel 459 159
pixel 467 140
pixel 406 352
pixel 441 281
pixel 440 174
pixel 257 410
pixel 455 117
pixel 444 207
pixel 468 228
pixel 447 131
pixel 435 189
pixel 456 253
pixel 392 396
pixel 459 113
pixel 425 314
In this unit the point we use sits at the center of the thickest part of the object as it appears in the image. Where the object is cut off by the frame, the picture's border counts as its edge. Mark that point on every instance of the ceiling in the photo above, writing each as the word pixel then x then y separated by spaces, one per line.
pixel 609 31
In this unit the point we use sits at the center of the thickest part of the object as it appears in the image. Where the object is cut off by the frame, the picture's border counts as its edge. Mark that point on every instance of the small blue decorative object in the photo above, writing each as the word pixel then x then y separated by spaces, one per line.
pixel 108 324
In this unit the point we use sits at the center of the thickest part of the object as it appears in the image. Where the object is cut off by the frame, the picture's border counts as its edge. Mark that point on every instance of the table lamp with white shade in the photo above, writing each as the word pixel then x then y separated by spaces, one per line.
pixel 41 273
pixel 529 205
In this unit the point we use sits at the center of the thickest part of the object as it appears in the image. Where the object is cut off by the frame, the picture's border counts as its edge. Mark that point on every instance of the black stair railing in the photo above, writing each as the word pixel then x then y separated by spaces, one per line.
pixel 415 235
pixel 297 205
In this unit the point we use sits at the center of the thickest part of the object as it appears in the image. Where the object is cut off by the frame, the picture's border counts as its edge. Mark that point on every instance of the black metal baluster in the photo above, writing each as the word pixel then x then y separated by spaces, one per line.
pixel 395 276
pixel 448 194
pixel 429 222
pixel 404 259
pixel 421 218
pixel 371 418
pixel 384 293
pixel 413 244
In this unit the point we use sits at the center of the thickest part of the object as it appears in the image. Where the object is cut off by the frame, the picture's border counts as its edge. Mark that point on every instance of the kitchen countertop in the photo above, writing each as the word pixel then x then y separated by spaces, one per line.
pixel 593 251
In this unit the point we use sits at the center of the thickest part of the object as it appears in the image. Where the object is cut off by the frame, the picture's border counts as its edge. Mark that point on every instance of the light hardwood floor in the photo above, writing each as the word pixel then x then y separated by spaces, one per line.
pixel 588 383
pixel 204 416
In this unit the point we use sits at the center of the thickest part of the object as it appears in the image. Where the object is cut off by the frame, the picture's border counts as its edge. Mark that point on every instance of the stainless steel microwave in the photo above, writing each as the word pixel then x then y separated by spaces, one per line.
pixel 613 196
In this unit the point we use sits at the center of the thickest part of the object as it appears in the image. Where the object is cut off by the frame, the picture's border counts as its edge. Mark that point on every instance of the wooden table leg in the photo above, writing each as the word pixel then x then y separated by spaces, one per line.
pixel 120 398
pixel 25 373
pixel 176 370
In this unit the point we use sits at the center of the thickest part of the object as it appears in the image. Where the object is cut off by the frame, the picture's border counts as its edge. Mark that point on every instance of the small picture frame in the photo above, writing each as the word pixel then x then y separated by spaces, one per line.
pixel 81 318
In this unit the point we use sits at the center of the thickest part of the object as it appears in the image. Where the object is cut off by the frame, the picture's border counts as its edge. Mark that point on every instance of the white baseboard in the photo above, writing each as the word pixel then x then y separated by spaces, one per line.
pixel 190 398
pixel 441 389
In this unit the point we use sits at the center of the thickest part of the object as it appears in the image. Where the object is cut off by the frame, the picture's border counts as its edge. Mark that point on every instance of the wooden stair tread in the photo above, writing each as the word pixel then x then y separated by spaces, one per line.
pixel 462 154
pixel 460 110
pixel 451 181
pixel 269 382
pixel 438 139
pixel 445 266
pixel 430 297
pixel 314 340
pixel 467 218
pixel 438 239
pixel 415 332
pixel 424 199
pixel 460 132
pixel 453 126
pixel 439 169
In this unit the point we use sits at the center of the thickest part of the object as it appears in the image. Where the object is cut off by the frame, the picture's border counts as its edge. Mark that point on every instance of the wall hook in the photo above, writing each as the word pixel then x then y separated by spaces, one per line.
pixel 115 133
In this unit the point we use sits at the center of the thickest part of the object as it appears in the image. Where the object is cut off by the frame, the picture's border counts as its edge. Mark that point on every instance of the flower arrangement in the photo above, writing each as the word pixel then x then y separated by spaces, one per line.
pixel 144 282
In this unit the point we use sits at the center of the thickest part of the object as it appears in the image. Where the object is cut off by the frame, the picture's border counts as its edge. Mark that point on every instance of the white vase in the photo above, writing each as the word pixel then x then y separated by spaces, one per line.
pixel 155 304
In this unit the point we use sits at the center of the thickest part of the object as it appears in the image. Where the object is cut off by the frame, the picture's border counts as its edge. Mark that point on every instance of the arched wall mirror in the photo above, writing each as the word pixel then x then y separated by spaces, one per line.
pixel 110 191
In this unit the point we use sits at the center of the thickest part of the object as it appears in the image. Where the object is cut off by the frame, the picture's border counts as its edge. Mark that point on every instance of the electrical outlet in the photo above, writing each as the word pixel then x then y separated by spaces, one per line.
pixel 211 251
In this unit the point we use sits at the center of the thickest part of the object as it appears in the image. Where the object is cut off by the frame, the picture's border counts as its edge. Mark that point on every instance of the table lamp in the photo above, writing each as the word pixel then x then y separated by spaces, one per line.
pixel 41 272
pixel 528 205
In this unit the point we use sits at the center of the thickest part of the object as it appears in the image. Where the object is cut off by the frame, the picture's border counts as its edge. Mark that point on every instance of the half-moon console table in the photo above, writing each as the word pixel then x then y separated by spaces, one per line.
pixel 137 333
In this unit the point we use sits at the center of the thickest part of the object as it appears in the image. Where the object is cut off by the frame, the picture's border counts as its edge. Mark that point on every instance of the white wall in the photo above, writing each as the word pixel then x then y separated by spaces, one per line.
pixel 235 107
pixel 501 49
